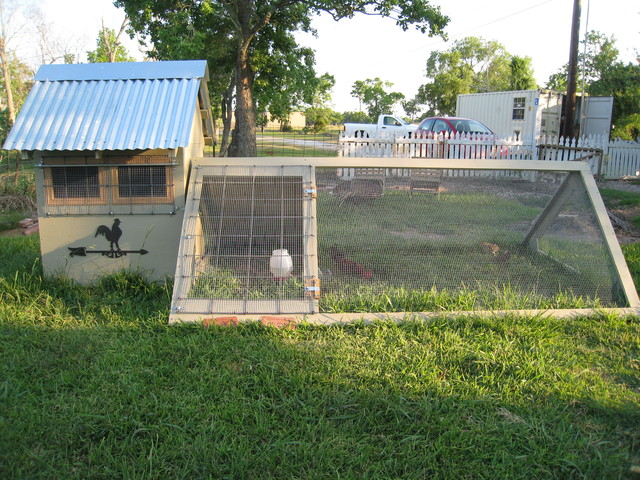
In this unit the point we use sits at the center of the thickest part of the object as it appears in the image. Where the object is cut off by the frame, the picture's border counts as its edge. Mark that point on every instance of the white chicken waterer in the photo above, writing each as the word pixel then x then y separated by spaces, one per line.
pixel 280 264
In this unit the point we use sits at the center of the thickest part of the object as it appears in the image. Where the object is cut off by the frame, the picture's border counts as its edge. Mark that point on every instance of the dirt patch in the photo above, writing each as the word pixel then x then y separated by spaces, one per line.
pixel 621 221
pixel 14 232
pixel 417 235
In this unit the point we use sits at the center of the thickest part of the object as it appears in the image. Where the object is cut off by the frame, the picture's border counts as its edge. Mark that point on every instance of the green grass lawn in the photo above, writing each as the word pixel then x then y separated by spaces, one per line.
pixel 273 143
pixel 621 199
pixel 95 385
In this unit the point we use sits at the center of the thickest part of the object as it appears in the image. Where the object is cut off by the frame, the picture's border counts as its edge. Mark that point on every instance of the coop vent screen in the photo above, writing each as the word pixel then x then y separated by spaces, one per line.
pixel 138 184
pixel 381 240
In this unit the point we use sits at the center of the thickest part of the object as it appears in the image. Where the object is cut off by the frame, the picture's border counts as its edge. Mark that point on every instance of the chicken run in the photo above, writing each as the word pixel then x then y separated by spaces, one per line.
pixel 481 239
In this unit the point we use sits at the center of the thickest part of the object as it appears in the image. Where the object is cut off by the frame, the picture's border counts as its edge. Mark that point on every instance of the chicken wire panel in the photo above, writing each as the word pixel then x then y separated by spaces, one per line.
pixel 411 240
pixel 248 242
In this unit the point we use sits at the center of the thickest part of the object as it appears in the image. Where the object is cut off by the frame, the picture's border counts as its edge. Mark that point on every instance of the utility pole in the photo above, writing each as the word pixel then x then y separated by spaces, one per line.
pixel 570 105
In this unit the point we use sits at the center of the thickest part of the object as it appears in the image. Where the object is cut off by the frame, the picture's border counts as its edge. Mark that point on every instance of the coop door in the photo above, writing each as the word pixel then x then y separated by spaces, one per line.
pixel 248 243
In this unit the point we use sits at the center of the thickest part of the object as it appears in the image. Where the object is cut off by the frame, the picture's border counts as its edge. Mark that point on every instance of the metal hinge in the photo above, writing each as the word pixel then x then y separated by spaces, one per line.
pixel 312 288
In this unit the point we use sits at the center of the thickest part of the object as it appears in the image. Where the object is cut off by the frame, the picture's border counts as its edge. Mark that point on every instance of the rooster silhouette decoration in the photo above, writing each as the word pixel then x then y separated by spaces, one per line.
pixel 112 235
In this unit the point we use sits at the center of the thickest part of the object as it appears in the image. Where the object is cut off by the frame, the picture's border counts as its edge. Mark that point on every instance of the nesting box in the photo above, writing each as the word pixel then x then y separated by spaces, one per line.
pixel 112 145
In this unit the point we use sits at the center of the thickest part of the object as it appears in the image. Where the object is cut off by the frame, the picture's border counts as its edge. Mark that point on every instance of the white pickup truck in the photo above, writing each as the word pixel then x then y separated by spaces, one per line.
pixel 386 123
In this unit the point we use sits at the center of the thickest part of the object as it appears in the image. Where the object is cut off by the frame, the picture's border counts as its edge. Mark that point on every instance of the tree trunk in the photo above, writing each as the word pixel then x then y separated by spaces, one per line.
pixel 6 74
pixel 227 114
pixel 243 143
pixel 245 130
pixel 16 174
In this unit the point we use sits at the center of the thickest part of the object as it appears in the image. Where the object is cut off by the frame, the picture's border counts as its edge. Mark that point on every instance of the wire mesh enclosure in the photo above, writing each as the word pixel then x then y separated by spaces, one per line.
pixel 415 237
pixel 249 244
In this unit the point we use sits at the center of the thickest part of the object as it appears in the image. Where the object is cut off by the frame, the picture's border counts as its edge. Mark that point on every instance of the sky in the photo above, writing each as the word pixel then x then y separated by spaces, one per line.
pixel 368 47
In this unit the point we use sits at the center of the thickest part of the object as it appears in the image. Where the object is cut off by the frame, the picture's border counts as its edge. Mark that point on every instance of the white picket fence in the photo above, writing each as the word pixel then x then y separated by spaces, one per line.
pixel 607 159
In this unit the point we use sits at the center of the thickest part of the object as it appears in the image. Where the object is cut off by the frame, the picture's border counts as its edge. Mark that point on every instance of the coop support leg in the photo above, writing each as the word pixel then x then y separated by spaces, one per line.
pixel 311 245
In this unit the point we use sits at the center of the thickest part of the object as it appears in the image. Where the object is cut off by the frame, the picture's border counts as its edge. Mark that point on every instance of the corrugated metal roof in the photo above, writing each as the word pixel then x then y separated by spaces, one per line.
pixel 123 71
pixel 113 106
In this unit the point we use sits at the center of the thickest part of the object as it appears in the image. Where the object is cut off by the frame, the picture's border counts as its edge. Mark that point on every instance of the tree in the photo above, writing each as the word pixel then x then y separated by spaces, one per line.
pixel 521 74
pixel 471 65
pixel 9 29
pixel 622 82
pixel 21 80
pixel 355 117
pixel 238 25
pixel 322 93
pixel 52 47
pixel 9 11
pixel 599 53
pixel 627 128
pixel 411 108
pixel 108 46
pixel 285 78
pixel 372 93
pixel 188 30
pixel 605 75
pixel 21 77
pixel 319 115
pixel 558 80
pixel 319 118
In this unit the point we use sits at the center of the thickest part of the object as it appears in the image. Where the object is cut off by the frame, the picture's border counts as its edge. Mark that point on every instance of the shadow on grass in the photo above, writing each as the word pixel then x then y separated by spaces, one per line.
pixel 103 389
pixel 381 401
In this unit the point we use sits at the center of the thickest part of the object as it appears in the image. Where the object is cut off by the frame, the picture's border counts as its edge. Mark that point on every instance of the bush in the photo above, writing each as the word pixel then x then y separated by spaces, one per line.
pixel 17 197
pixel 627 128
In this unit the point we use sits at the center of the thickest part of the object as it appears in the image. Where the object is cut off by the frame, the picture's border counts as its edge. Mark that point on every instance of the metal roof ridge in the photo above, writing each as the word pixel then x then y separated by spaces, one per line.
pixel 177 69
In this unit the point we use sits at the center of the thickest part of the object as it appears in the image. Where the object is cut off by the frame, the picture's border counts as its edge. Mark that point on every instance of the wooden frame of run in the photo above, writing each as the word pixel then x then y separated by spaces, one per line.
pixel 579 175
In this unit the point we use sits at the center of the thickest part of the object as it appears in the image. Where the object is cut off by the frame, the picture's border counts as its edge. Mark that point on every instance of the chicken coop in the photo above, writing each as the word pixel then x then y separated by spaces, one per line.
pixel 329 240
pixel 112 145
pixel 123 184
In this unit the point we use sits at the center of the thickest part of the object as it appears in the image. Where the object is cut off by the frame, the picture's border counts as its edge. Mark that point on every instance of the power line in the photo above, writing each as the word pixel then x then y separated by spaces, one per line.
pixel 482 26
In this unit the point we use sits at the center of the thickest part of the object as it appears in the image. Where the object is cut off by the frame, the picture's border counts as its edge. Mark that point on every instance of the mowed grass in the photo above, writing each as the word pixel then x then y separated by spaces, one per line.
pixel 273 143
pixel 427 255
pixel 95 385
pixel 621 199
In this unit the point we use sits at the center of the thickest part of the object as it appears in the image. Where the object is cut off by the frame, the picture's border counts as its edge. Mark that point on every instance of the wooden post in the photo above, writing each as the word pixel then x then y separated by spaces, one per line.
pixel 570 105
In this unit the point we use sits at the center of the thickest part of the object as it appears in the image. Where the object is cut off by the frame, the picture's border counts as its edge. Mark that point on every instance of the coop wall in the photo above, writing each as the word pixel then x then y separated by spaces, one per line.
pixel 149 207
pixel 156 234
pixel 67 223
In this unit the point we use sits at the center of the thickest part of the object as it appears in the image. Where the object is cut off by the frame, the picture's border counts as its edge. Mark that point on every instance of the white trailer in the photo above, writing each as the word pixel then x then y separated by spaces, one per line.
pixel 529 114
pixel 524 114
